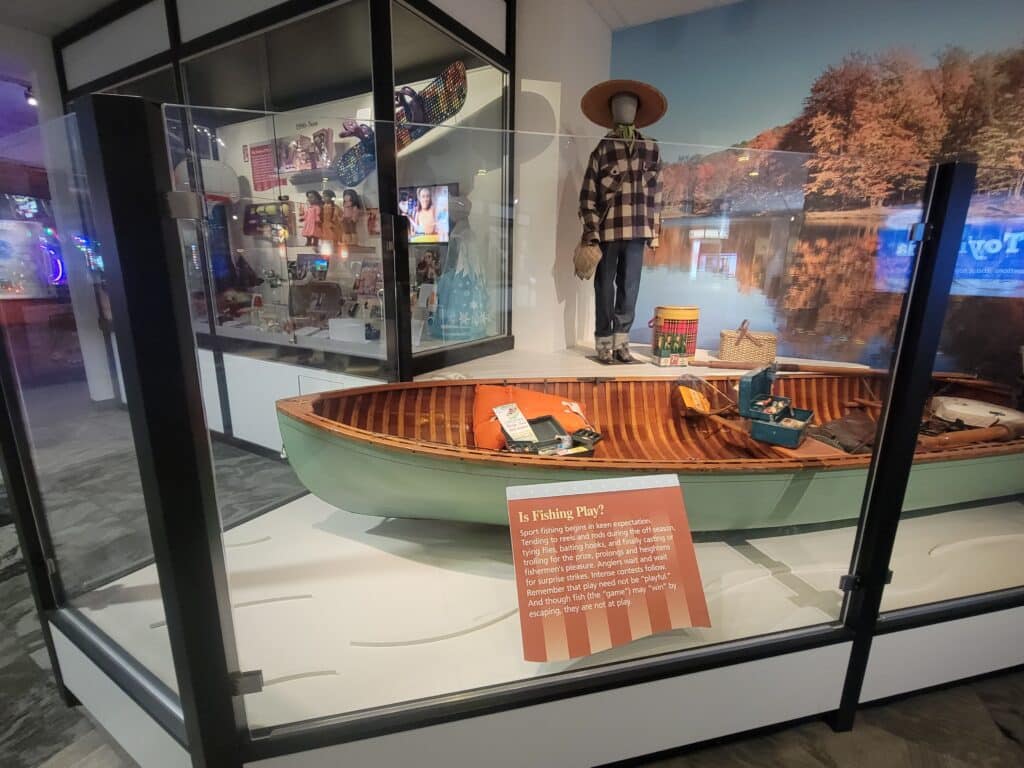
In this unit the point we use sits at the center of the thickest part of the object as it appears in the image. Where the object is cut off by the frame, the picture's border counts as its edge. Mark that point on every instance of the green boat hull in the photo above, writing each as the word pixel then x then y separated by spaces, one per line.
pixel 367 479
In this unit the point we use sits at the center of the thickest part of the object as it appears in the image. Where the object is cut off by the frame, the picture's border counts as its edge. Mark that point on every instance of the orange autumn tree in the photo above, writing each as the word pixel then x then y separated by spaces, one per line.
pixel 872 123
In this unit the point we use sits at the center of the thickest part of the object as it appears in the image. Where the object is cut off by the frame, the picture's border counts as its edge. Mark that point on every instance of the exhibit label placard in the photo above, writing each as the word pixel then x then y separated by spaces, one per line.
pixel 601 563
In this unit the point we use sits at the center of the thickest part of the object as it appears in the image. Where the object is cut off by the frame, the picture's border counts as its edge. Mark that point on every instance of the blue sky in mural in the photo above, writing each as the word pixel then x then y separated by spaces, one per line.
pixel 732 72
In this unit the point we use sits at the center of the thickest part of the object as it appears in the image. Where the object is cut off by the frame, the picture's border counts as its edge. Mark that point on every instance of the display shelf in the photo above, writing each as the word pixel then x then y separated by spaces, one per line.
pixel 344 612
pixel 372 349
pixel 581 361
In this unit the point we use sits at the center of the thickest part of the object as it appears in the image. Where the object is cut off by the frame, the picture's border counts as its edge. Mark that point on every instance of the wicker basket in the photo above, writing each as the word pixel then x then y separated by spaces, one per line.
pixel 746 346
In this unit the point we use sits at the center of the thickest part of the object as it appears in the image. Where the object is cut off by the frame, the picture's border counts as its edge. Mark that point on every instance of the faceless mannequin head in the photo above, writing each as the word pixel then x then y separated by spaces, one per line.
pixel 624 106
pixel 458 209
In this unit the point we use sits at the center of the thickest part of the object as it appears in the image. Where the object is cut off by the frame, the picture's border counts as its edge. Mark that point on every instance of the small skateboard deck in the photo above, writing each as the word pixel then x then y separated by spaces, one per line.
pixel 415 114
pixel 439 100
pixel 359 161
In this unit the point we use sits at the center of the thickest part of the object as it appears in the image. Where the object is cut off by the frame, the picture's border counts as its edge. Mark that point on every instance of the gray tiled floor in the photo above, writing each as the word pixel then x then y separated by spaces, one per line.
pixel 969 726
pixel 90 490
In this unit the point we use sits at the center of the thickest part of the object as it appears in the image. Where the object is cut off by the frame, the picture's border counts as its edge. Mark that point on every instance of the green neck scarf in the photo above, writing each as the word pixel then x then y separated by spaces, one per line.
pixel 626 131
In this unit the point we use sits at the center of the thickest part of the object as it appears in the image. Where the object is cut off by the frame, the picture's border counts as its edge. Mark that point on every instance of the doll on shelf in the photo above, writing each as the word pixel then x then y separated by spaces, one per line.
pixel 351 212
pixel 312 220
pixel 331 224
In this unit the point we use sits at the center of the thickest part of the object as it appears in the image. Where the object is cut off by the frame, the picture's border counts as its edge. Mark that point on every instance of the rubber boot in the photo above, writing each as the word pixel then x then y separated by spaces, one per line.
pixel 604 349
pixel 620 345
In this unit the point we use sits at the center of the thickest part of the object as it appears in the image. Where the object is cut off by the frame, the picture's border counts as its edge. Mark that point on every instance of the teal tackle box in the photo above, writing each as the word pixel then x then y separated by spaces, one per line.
pixel 772 419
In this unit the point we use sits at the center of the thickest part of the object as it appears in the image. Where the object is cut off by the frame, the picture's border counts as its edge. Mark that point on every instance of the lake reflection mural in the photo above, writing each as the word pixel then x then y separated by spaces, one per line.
pixel 801 225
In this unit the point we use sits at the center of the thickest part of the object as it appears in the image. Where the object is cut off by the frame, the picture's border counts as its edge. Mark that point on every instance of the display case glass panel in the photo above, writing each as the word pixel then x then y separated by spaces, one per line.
pixel 58 329
pixel 962 523
pixel 157 85
pixel 459 290
pixel 290 245
pixel 233 76
pixel 394 580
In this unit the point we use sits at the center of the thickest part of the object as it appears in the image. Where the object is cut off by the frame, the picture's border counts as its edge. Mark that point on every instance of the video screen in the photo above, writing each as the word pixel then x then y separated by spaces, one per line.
pixel 426 209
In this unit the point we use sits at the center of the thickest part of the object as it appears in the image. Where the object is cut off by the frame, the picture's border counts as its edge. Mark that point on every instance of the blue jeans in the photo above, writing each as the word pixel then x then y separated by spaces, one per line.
pixel 616 285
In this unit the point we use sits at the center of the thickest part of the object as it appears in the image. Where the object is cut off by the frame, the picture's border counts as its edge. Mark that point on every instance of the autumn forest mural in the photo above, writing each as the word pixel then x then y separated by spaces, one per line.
pixel 812 213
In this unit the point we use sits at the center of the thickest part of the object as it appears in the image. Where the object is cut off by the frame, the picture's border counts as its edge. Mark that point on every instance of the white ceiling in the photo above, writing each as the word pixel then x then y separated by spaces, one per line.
pixel 47 17
pixel 628 13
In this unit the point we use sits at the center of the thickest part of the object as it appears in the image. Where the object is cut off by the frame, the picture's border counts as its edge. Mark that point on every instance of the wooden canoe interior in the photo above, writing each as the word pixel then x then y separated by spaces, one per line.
pixel 635 415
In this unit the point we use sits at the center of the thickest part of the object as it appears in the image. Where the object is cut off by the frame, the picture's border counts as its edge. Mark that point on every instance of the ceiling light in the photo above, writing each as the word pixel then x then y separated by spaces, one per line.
pixel 30 97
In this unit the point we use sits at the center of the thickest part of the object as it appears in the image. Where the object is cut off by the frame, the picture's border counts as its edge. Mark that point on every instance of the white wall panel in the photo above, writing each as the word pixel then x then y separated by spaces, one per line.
pixel 254 386
pixel 611 725
pixel 197 17
pixel 906 661
pixel 211 395
pixel 137 733
pixel 486 18
pixel 131 38
pixel 552 79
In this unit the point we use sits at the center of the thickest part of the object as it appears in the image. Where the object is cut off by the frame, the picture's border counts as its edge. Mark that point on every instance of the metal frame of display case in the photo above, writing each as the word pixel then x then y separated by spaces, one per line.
pixel 122 141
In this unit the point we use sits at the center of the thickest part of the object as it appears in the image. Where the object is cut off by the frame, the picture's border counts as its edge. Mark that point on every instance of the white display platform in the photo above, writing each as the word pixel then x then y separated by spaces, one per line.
pixel 582 361
pixel 344 612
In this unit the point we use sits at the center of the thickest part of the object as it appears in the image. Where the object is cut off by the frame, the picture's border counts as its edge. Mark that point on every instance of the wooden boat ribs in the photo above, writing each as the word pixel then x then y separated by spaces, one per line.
pixel 635 416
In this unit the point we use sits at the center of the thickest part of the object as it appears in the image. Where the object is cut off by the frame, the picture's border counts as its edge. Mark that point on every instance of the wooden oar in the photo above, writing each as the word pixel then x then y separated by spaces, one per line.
pixel 836 370
pixel 860 402
pixel 1000 433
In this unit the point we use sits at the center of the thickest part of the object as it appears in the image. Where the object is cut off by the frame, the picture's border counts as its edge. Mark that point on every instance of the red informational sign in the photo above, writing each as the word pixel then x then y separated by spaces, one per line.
pixel 602 563
pixel 263 164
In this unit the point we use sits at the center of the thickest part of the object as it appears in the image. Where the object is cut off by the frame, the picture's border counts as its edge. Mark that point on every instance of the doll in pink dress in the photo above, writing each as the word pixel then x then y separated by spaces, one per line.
pixel 312 221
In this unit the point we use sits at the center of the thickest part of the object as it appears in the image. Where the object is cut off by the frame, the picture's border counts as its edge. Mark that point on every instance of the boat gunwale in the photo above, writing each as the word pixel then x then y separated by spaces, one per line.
pixel 300 409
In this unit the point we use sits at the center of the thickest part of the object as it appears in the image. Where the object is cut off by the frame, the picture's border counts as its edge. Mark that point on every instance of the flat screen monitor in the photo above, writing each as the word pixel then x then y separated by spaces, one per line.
pixel 426 210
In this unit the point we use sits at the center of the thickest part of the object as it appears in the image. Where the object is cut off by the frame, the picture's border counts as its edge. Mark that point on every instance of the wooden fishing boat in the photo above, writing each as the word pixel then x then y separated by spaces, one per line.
pixel 407 450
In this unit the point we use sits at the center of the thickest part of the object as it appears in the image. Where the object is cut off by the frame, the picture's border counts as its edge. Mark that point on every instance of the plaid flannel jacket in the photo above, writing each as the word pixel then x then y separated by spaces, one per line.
pixel 624 187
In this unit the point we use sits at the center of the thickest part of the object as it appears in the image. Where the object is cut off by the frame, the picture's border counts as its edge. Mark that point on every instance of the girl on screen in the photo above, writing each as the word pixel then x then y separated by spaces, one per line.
pixel 424 217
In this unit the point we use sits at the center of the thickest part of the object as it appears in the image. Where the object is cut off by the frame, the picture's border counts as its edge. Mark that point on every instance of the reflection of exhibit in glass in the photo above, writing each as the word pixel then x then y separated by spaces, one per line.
pixel 462 300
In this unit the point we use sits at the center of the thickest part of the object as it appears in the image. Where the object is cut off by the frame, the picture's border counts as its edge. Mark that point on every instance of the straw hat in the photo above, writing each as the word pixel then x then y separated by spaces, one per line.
pixel 596 103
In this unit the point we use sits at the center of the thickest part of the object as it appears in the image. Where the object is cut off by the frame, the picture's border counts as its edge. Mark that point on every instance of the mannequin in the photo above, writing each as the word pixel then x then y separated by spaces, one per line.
pixel 620 204
pixel 462 304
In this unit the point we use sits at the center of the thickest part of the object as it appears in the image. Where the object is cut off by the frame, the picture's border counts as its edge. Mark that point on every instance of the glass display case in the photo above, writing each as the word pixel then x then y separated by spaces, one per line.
pixel 291 249
pixel 705 540
pixel 967 542
pixel 291 262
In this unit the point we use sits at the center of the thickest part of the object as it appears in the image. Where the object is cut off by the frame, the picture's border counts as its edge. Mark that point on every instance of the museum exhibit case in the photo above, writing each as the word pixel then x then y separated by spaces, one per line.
pixel 246 58
pixel 71 452
pixel 421 565
pixel 960 554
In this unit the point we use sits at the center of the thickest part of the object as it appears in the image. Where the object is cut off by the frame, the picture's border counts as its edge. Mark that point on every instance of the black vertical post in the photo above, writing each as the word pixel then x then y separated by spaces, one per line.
pixel 511 89
pixel 396 310
pixel 128 178
pixel 947 198
pixel 30 523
